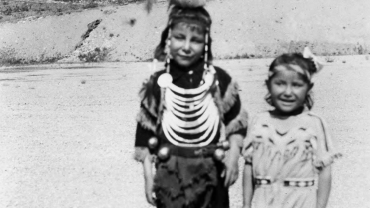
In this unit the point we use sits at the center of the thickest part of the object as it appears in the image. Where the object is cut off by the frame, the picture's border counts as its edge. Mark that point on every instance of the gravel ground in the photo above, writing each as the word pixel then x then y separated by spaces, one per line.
pixel 67 131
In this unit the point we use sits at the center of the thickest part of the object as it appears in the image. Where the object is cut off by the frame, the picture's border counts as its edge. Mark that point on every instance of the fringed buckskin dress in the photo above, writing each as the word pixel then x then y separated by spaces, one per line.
pixel 286 163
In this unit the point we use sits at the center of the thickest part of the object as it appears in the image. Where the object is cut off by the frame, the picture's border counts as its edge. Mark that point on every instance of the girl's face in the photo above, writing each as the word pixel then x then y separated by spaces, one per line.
pixel 288 89
pixel 187 43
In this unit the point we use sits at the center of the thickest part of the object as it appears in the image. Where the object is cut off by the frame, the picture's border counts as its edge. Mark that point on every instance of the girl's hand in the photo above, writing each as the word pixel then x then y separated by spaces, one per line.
pixel 248 187
pixel 324 186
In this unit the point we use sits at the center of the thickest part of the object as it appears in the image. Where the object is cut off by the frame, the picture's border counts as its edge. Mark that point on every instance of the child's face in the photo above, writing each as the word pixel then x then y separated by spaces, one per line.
pixel 287 88
pixel 187 43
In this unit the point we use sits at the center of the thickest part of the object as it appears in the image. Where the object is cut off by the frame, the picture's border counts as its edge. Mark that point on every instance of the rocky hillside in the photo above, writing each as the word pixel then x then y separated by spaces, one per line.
pixel 241 29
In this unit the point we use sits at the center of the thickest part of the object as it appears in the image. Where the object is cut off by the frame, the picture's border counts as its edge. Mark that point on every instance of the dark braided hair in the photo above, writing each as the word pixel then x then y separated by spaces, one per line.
pixel 305 64
pixel 179 14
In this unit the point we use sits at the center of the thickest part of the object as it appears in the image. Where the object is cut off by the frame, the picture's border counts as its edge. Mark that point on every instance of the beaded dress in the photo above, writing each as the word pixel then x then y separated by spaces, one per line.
pixel 286 163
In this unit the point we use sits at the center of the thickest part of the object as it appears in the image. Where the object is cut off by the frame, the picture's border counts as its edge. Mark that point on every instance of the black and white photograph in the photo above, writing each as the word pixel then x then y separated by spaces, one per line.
pixel 184 104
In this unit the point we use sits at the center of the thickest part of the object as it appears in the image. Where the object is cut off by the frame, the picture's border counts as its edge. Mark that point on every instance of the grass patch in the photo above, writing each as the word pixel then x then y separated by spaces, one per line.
pixel 97 55
pixel 9 56
pixel 14 10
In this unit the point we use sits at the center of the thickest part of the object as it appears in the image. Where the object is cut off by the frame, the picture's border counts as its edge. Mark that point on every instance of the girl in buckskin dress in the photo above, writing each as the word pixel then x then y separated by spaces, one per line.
pixel 191 123
pixel 288 150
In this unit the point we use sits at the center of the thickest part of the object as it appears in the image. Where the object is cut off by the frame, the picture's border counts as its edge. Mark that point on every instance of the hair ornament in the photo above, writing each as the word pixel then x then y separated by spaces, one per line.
pixel 206 48
pixel 168 50
pixel 188 3
pixel 309 55
pixel 181 3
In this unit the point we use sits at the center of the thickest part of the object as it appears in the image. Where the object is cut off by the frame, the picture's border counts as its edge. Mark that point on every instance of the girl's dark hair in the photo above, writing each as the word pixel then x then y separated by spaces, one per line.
pixel 179 14
pixel 295 59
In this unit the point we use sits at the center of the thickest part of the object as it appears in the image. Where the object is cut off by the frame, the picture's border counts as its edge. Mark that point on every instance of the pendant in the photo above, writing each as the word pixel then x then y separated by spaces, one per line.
pixel 165 80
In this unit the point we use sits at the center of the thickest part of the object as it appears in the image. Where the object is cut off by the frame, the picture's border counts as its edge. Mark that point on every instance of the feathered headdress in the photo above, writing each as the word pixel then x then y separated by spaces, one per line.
pixel 181 3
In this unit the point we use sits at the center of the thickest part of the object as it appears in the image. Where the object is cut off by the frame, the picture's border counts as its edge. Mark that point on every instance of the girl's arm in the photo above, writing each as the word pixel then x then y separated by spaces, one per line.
pixel 231 171
pixel 248 187
pixel 325 157
pixel 149 179
pixel 324 187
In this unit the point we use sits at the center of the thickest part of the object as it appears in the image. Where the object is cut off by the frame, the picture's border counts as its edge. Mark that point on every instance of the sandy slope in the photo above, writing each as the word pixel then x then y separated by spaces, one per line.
pixel 258 28
pixel 67 131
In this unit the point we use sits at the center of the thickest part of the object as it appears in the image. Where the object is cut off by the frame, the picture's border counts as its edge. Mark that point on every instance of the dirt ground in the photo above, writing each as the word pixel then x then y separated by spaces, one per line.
pixel 67 131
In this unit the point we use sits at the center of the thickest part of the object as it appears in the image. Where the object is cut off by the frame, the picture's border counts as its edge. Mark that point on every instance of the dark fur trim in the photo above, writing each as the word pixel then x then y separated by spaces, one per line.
pixel 218 101
pixel 145 120
pixel 162 106
pixel 239 122
pixel 228 100
pixel 230 96
pixel 147 97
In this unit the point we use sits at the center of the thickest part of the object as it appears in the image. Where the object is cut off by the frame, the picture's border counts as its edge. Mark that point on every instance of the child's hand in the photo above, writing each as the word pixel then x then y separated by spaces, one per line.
pixel 231 170
pixel 149 191
pixel 149 180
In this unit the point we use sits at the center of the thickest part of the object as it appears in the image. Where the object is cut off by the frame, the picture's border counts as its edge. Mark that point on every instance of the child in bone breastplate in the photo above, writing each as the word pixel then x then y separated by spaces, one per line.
pixel 191 122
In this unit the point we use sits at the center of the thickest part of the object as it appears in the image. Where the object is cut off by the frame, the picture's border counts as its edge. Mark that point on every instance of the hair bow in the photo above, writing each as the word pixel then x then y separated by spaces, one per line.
pixel 309 55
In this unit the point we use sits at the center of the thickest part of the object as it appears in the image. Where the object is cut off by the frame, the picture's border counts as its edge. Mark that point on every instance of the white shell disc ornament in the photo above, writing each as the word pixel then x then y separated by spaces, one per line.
pixel 165 80
pixel 219 154
pixel 164 153
pixel 153 143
